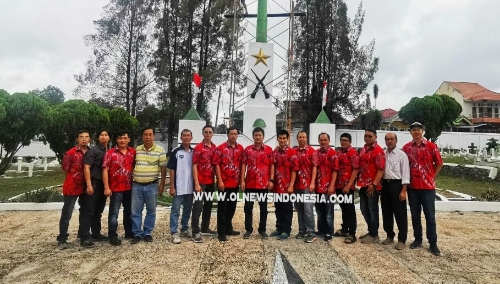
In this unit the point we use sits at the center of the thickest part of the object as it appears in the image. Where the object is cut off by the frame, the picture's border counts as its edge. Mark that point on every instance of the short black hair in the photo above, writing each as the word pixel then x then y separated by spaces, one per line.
pixel 324 133
pixel 283 132
pixel 82 131
pixel 346 135
pixel 302 131
pixel 121 133
pixel 186 130
pixel 207 126
pixel 258 129
pixel 372 131
pixel 98 133
pixel 232 128
pixel 147 128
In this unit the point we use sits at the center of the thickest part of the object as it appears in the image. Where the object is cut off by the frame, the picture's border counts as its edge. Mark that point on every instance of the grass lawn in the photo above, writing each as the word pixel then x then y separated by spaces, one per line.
pixel 471 187
pixel 10 187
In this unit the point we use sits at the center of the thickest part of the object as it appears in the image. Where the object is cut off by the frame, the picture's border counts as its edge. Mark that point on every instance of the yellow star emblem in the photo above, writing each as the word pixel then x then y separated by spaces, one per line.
pixel 261 57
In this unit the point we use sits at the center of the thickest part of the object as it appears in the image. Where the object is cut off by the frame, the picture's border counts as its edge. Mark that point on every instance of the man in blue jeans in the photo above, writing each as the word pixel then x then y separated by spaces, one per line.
pixel 181 186
pixel 150 161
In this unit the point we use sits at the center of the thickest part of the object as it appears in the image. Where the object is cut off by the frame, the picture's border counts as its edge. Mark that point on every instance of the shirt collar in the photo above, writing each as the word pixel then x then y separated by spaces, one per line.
pixel 346 149
pixel 151 149
pixel 370 147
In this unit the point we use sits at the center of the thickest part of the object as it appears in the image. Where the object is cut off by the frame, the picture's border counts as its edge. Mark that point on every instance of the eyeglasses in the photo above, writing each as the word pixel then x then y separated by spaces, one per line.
pixel 207 132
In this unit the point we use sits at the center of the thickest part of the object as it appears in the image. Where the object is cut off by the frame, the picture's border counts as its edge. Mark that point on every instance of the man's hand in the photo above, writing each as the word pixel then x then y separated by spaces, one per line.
pixel 331 190
pixel 107 191
pixel 290 189
pixel 312 186
pixel 172 191
pixel 242 185
pixel 90 190
pixel 220 185
pixel 161 188
pixel 370 190
pixel 346 189
pixel 402 195
pixel 197 188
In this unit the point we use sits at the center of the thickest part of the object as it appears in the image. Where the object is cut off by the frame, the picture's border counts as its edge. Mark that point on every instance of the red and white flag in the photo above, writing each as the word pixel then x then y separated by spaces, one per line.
pixel 325 95
pixel 196 83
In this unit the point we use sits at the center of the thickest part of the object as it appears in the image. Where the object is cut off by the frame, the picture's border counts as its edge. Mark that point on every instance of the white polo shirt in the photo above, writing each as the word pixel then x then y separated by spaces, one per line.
pixel 181 161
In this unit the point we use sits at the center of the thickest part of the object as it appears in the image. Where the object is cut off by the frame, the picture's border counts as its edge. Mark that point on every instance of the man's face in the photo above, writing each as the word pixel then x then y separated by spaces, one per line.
pixel 232 135
pixel 208 133
pixel 370 138
pixel 390 141
pixel 282 140
pixel 83 139
pixel 258 137
pixel 416 133
pixel 345 143
pixel 186 137
pixel 323 141
pixel 148 136
pixel 103 137
pixel 123 140
pixel 302 139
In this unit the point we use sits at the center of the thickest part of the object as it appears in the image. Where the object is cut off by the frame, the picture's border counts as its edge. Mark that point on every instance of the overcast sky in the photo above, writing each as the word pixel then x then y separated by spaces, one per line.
pixel 420 43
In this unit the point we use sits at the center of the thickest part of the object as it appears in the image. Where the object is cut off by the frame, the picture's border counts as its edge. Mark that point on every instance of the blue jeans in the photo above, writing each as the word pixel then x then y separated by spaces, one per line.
pixel 369 209
pixel 66 213
pixel 325 216
pixel 116 200
pixel 305 214
pixel 187 204
pixel 423 199
pixel 144 194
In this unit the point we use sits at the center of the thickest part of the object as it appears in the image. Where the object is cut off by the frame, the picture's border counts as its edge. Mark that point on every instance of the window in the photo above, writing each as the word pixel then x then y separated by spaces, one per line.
pixel 474 112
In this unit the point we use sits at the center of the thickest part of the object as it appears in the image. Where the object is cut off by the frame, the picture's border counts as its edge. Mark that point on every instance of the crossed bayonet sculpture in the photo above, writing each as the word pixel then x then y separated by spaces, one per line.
pixel 260 86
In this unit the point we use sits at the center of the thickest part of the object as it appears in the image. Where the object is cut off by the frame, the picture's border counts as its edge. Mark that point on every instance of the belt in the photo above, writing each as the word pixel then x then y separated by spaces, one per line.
pixel 392 180
pixel 147 183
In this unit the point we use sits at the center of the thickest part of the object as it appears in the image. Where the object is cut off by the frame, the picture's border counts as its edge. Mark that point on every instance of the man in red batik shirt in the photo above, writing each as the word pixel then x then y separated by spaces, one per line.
pixel 285 168
pixel 74 183
pixel 203 175
pixel 425 163
pixel 117 170
pixel 371 171
pixel 227 160
pixel 325 185
pixel 255 180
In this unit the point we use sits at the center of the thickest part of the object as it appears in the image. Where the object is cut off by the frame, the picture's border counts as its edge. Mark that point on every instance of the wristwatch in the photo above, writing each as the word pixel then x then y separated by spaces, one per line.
pixel 271 180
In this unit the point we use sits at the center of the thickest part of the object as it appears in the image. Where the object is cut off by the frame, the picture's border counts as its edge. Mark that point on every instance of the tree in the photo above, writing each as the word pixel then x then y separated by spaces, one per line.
pixel 70 117
pixel 221 129
pixel 372 119
pixel 375 95
pixel 53 95
pixel 434 112
pixel 149 116
pixel 237 119
pixel 328 49
pixel 28 116
pixel 120 120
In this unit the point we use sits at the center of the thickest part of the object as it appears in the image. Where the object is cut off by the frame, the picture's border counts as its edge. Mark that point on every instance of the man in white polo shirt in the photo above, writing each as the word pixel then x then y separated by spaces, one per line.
pixel 181 186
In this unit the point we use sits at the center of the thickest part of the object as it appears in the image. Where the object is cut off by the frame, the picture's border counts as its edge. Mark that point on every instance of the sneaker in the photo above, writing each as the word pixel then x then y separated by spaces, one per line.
pixel 100 238
pixel 363 236
pixel 247 235
pixel 87 243
pixel 233 233
pixel 370 240
pixel 263 235
pixel 208 232
pixel 400 246
pixel 197 238
pixel 135 240
pixel 433 248
pixel 283 236
pixel 300 235
pixel 186 234
pixel 148 238
pixel 328 238
pixel 275 234
pixel 115 241
pixel 222 238
pixel 388 241
pixel 176 238
pixel 62 245
pixel 129 236
pixel 310 238
pixel 416 244
pixel 341 233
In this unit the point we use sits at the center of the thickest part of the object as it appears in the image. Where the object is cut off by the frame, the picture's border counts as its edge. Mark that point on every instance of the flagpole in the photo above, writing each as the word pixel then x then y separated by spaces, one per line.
pixel 288 107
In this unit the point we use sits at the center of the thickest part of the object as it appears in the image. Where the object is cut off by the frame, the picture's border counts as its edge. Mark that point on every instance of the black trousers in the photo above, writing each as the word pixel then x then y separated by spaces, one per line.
pixel 284 216
pixel 91 211
pixel 248 208
pixel 225 211
pixel 203 208
pixel 393 208
pixel 349 221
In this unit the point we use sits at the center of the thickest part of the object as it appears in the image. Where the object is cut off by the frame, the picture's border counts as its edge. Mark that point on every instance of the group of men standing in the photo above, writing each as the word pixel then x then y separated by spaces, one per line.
pixel 134 178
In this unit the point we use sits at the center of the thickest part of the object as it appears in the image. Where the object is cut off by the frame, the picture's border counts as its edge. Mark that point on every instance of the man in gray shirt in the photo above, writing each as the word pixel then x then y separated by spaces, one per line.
pixel 393 197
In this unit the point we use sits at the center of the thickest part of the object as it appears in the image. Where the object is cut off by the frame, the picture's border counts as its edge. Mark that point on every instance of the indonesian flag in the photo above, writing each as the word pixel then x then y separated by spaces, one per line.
pixel 325 95
pixel 196 83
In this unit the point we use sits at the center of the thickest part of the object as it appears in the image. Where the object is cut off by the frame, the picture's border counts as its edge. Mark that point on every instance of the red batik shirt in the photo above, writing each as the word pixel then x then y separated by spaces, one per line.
pixel 72 164
pixel 229 160
pixel 120 168
pixel 371 159
pixel 422 160
pixel 285 162
pixel 202 157
pixel 307 159
pixel 328 163
pixel 258 163
pixel 348 161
